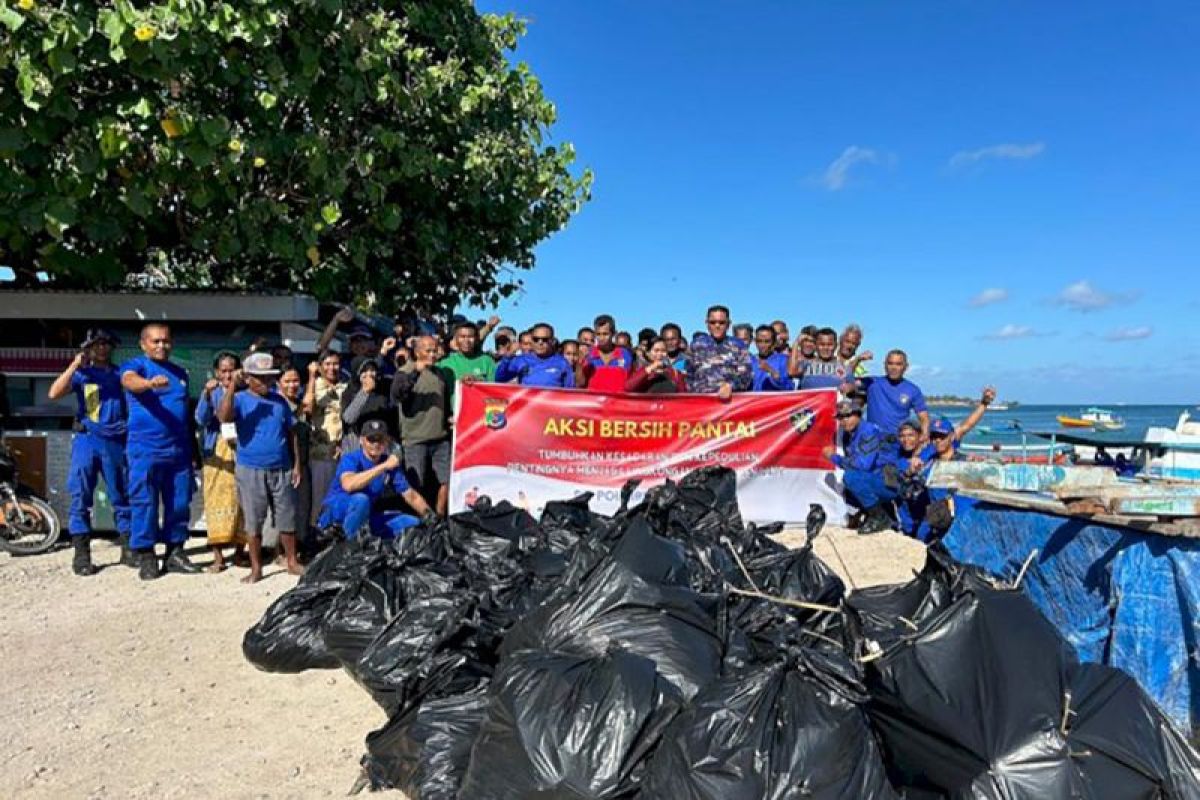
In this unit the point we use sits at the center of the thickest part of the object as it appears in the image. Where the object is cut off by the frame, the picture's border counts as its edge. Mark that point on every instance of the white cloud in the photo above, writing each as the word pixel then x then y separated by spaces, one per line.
pixel 836 174
pixel 1008 152
pixel 1011 331
pixel 1081 296
pixel 988 297
pixel 1130 334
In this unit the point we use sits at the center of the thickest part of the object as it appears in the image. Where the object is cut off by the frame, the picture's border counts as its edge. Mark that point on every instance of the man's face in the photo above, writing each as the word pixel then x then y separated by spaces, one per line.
pixel 289 384
pixel 225 369
pixel 605 338
pixel 849 344
pixel 527 343
pixel 281 356
pixel 764 341
pixel 156 342
pixel 426 350
pixel 895 365
pixel 826 345
pixel 943 444
pixel 717 324
pixel 376 447
pixel 909 439
pixel 745 334
pixel 571 353
pixel 467 340
pixel 542 341
pixel 672 340
pixel 808 345
pixel 782 336
pixel 362 346
pixel 100 352
pixel 848 422
pixel 623 340
pixel 587 338
pixel 331 369
pixel 260 384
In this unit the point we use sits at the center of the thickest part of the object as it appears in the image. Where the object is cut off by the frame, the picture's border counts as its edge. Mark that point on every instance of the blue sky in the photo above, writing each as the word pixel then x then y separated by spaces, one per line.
pixel 1008 190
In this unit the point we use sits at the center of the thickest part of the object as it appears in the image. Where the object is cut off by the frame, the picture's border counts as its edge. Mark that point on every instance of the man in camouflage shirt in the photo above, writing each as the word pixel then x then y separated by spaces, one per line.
pixel 719 363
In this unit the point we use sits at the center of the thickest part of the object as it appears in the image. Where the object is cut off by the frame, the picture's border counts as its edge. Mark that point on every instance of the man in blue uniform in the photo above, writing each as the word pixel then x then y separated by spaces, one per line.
pixel 159 454
pixel 891 399
pixel 769 365
pixel 866 452
pixel 98 447
pixel 365 481
pixel 542 366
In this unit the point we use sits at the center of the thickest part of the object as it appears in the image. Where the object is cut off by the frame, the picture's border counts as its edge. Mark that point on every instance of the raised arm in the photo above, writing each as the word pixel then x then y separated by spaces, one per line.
pixel 132 382
pixel 62 384
pixel 225 410
pixel 357 481
pixel 965 427
pixel 345 315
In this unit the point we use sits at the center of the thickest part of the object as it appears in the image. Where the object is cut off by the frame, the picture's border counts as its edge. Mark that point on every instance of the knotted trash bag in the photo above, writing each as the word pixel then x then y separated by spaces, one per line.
pixel 790 729
pixel 561 726
pixel 424 751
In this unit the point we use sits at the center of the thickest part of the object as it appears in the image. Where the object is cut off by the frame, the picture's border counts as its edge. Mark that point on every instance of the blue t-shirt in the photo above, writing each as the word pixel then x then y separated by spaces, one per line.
pixel 890 404
pixel 357 461
pixel 818 374
pixel 868 449
pixel 100 401
pixel 158 418
pixel 264 425
pixel 530 370
pixel 763 382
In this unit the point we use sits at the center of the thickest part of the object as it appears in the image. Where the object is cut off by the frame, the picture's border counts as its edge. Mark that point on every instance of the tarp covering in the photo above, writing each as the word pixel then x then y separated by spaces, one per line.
pixel 1121 597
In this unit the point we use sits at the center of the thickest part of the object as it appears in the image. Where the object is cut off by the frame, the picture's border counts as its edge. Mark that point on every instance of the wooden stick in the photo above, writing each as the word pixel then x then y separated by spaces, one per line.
pixel 745 572
pixel 1025 566
pixel 782 600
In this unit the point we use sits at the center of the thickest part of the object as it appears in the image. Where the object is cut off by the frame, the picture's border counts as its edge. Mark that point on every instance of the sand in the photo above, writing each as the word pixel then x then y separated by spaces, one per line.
pixel 116 688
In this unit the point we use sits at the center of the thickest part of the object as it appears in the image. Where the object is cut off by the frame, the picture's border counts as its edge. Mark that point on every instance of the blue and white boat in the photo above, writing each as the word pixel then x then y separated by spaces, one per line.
pixel 1180 458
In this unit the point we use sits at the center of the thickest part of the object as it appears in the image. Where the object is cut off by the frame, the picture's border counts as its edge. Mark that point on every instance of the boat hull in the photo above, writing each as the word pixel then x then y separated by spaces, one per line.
pixel 1074 422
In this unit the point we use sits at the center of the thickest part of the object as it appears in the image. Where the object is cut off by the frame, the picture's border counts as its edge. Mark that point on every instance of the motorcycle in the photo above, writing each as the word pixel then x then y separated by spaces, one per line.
pixel 28 525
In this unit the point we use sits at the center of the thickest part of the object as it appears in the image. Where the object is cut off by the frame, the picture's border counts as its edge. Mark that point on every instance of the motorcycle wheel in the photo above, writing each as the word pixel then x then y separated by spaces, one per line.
pixel 36 534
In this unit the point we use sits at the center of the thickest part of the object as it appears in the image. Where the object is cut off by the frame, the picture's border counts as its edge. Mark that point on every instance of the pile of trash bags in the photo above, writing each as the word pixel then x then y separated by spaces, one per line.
pixel 670 651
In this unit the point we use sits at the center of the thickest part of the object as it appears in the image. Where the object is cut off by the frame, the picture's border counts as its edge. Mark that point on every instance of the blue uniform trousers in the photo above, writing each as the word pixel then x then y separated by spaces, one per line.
pixel 154 479
pixel 352 511
pixel 91 457
pixel 866 489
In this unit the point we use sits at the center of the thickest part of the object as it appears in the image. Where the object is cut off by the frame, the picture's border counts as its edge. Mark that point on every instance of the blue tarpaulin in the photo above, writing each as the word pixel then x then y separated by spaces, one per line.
pixel 1121 596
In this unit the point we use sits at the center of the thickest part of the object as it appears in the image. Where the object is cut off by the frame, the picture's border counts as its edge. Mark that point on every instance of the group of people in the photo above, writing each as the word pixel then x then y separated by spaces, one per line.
pixel 361 441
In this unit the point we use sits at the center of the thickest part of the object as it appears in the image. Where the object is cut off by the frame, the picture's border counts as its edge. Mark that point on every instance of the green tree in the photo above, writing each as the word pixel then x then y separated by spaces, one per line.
pixel 383 152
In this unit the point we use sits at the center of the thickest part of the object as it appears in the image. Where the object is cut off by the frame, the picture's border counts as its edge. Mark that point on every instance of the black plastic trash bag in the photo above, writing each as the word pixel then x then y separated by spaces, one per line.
pixel 424 752
pixel 986 700
pixel 676 627
pixel 488 530
pixel 568 727
pixel 792 729
pixel 362 609
pixel 430 648
pixel 289 636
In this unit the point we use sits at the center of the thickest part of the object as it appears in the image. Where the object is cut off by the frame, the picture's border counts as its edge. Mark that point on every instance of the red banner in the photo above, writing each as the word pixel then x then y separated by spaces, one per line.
pixel 530 445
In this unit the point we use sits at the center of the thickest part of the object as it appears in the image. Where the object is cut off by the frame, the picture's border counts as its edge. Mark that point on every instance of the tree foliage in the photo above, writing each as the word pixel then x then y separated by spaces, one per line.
pixel 386 152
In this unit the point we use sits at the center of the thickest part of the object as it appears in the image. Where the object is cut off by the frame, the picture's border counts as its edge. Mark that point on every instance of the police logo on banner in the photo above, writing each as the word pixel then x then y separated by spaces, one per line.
pixel 495 413
pixel 803 420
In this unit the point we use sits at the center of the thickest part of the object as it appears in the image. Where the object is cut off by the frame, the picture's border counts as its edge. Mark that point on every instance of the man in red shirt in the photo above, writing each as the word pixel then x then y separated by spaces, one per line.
pixel 606 367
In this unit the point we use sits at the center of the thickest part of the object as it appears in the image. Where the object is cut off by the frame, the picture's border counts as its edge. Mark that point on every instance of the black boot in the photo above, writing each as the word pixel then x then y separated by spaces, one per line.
pixel 128 559
pixel 147 564
pixel 177 561
pixel 82 563
pixel 877 519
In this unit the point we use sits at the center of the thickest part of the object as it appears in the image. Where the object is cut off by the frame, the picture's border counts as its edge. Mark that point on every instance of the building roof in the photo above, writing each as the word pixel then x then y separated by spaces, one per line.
pixel 170 304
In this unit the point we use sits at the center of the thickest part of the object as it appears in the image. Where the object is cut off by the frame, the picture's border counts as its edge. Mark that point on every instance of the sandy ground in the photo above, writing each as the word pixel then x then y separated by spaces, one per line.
pixel 115 688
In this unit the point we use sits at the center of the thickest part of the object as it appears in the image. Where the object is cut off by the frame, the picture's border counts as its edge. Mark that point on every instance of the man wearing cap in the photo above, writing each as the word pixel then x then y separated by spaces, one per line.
pixel 159 453
pixel 866 450
pixel 267 471
pixel 98 447
pixel 367 481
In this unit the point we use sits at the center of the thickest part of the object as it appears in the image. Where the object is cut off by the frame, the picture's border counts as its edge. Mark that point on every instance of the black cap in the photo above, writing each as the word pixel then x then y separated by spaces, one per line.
pixel 361 332
pixel 847 407
pixel 374 427
pixel 99 334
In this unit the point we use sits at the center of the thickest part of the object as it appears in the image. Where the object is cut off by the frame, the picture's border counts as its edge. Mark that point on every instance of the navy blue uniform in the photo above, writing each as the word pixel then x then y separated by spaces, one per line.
pixel 159 454
pixel 532 370
pixel 865 453
pixel 890 403
pixel 763 381
pixel 99 449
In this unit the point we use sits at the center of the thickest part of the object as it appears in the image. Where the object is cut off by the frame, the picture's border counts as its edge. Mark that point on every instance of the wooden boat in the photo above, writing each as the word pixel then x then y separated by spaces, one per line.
pixel 1103 419
pixel 1017 453
pixel 1075 422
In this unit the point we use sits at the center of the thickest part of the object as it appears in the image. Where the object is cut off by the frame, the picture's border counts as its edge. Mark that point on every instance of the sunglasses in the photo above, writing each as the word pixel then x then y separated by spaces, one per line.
pixel 846 416
pixel 718 322
pixel 541 338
